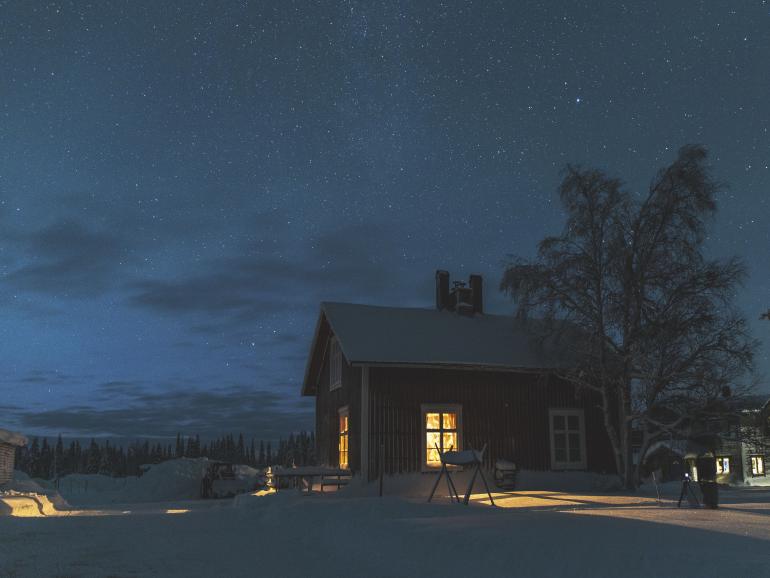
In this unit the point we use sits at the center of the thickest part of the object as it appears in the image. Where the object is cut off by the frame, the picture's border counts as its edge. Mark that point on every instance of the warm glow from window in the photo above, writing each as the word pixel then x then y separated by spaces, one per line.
pixel 440 432
pixel 757 465
pixel 723 465
pixel 343 443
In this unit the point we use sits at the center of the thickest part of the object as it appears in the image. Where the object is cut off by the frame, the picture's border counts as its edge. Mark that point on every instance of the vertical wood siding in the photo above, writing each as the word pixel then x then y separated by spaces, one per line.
pixel 506 411
pixel 7 455
pixel 328 404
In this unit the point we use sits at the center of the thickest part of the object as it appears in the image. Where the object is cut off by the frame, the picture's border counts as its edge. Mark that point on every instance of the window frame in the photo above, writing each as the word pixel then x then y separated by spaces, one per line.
pixel 566 412
pixel 753 460
pixel 720 465
pixel 427 408
pixel 343 412
pixel 335 364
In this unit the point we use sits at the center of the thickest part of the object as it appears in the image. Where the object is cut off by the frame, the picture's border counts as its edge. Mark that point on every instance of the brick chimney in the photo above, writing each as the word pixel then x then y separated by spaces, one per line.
pixel 464 299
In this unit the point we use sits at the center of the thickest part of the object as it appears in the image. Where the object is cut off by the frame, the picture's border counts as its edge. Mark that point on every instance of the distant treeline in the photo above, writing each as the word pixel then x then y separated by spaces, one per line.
pixel 50 460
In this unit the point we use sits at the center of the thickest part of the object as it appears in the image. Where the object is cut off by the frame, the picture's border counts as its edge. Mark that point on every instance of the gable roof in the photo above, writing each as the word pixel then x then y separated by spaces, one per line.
pixel 371 334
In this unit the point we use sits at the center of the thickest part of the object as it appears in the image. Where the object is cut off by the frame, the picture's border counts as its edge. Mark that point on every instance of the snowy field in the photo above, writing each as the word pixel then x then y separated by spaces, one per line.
pixel 531 533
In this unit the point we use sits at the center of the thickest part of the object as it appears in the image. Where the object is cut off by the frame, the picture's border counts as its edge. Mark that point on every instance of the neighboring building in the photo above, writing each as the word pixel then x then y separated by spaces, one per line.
pixel 9 441
pixel 393 384
pixel 738 444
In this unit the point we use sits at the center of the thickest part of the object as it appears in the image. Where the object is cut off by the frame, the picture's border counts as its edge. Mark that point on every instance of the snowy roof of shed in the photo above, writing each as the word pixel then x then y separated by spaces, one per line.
pixel 371 334
pixel 12 438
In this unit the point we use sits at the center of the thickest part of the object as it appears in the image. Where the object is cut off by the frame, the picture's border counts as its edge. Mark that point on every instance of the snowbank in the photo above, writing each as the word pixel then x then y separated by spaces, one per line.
pixel 178 479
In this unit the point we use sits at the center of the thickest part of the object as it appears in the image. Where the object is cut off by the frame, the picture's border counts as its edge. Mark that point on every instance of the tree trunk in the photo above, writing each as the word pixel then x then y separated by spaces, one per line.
pixel 624 425
pixel 612 433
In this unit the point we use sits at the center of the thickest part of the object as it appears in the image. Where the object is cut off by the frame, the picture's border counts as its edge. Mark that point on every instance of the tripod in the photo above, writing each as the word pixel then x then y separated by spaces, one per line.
pixel 687 490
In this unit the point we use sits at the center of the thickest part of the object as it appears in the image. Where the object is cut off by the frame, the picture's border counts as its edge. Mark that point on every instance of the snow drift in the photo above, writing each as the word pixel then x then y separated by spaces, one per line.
pixel 178 479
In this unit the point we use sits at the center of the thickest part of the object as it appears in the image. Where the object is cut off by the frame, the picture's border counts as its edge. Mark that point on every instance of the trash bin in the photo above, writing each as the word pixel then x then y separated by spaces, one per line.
pixel 710 492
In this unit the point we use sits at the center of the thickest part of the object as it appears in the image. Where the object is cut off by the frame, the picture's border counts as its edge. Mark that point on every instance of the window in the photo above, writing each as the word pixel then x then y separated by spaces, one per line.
pixel 757 465
pixel 723 465
pixel 335 364
pixel 441 432
pixel 568 448
pixel 344 440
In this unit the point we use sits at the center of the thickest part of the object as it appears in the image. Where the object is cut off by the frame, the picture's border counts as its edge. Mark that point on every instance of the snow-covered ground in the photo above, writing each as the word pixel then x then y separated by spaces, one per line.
pixel 531 533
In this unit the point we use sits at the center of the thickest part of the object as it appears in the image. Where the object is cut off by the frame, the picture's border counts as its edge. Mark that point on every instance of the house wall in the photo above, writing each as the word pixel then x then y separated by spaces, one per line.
pixel 507 411
pixel 328 404
pixel 7 455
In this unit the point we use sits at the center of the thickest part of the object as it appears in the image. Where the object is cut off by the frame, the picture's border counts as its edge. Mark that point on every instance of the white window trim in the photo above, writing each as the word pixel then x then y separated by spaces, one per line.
pixel 583 463
pixel 335 364
pixel 437 408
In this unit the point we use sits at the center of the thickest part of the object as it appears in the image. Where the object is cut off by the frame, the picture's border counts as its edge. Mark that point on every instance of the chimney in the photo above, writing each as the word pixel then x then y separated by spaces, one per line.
pixel 463 298
pixel 442 290
pixel 477 293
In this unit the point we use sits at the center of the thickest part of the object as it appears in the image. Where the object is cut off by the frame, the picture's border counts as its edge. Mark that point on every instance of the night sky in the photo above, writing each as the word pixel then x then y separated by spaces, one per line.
pixel 182 182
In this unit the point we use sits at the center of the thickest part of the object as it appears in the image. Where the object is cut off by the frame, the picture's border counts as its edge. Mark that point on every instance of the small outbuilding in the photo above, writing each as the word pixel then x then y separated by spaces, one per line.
pixel 9 441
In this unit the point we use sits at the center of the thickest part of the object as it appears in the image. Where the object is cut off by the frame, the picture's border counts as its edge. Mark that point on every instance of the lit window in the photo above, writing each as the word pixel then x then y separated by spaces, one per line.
pixel 441 432
pixel 568 450
pixel 757 465
pixel 723 465
pixel 344 448
pixel 335 364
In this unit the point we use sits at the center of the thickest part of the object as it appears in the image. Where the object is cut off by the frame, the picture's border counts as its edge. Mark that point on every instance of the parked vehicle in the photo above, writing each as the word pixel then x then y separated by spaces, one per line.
pixel 220 481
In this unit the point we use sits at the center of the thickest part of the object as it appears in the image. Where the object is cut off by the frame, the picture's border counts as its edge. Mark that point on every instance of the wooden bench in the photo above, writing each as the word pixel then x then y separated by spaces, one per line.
pixel 335 480
pixel 304 477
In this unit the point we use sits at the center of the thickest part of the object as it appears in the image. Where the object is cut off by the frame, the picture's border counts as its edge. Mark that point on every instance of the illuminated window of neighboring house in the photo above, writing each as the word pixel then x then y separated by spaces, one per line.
pixel 335 364
pixel 723 465
pixel 568 440
pixel 344 439
pixel 757 465
pixel 441 432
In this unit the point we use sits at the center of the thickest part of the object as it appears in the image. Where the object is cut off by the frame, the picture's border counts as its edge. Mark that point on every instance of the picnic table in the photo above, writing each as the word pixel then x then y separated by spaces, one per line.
pixel 304 477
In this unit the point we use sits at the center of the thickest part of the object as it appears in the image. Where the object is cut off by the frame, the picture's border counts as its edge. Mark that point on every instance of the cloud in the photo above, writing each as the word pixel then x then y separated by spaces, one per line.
pixel 67 259
pixel 338 265
pixel 47 377
pixel 208 413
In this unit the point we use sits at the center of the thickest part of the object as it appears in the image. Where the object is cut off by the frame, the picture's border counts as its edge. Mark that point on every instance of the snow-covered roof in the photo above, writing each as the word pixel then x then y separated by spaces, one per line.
pixel 681 447
pixel 409 336
pixel 12 438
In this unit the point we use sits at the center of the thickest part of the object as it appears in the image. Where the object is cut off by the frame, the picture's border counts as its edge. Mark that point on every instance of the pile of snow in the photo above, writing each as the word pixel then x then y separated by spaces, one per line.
pixel 22 486
pixel 759 481
pixel 13 438
pixel 178 479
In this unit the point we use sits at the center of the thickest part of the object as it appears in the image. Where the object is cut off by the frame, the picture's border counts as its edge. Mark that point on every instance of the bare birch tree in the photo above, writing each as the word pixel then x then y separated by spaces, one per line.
pixel 664 344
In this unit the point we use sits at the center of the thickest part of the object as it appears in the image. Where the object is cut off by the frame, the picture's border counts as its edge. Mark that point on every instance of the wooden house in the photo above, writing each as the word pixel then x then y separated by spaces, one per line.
pixel 394 386
pixel 9 441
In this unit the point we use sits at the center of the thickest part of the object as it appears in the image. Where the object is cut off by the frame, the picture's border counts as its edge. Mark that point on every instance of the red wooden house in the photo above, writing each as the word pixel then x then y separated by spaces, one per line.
pixel 392 384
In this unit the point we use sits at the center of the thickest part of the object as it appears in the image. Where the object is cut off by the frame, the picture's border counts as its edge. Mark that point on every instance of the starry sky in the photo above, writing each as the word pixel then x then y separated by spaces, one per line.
pixel 182 182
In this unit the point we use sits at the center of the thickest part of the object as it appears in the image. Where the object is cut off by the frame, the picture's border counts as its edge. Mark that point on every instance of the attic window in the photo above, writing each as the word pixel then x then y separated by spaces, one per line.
pixel 335 364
